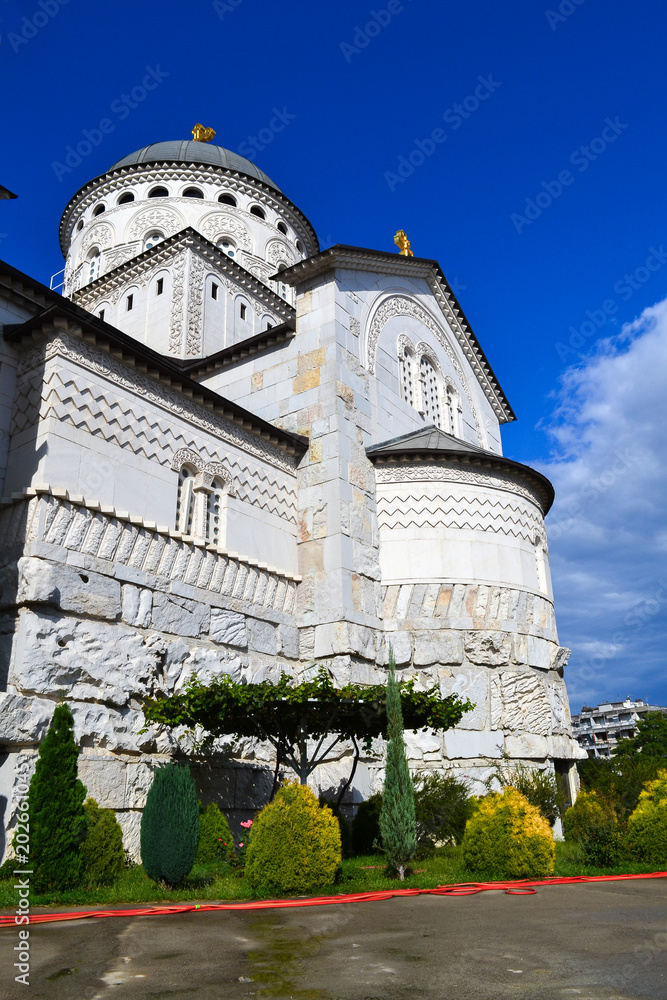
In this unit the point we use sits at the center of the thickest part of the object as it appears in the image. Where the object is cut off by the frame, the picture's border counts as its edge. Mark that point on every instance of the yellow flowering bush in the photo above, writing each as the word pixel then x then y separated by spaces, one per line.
pixel 507 837
pixel 294 844
pixel 647 826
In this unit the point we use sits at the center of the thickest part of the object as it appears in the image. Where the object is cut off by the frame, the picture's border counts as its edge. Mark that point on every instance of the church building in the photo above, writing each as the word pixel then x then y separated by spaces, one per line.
pixel 224 450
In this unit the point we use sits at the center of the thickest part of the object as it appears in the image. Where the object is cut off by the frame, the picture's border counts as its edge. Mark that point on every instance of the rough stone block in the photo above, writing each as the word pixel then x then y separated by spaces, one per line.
pixel 443 646
pixel 262 637
pixel 470 743
pixel 288 641
pixel 527 745
pixel 539 652
pixel 23 721
pixel 179 616
pixel 402 646
pixel 83 593
pixel 130 823
pixel 137 605
pixel 139 778
pixel 208 665
pixel 561 656
pixel 228 627
pixel 471 684
pixel 491 649
pixel 104 778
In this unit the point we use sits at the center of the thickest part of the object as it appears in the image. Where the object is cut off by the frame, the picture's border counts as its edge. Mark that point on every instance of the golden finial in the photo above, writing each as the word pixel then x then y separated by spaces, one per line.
pixel 202 134
pixel 401 241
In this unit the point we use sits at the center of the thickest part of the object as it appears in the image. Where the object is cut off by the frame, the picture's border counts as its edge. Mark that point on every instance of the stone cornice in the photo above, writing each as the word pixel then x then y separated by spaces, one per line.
pixel 203 367
pixel 378 261
pixel 107 183
pixel 164 251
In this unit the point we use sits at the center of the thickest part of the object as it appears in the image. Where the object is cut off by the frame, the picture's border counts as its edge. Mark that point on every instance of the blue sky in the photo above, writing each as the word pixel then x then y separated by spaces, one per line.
pixel 541 194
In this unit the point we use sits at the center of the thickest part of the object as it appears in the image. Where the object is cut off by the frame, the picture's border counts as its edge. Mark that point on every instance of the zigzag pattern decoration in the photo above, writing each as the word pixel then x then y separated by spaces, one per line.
pixel 475 513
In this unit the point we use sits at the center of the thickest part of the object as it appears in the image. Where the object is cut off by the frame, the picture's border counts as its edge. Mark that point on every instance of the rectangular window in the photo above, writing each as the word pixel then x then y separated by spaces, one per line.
pixel 160 286
pixel 101 314
pixel 130 302
pixel 242 311
pixel 214 291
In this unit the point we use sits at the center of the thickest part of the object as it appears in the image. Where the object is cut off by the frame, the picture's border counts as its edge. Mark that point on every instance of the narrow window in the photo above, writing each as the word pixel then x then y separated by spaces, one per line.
pixel 125 199
pixel 259 212
pixel 130 302
pixel 185 500
pixel 79 225
pixel 158 192
pixel 153 239
pixel 406 365
pixel 101 314
pixel 227 199
pixel 192 192
pixel 216 514
pixel 214 291
pixel 160 286
pixel 269 326
pixel 429 391
pixel 99 209
pixel 242 311
pixel 299 246
pixel 94 261
pixel 282 228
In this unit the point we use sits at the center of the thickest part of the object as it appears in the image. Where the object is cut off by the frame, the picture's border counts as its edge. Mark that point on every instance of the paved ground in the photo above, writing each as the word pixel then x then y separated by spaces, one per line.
pixel 584 942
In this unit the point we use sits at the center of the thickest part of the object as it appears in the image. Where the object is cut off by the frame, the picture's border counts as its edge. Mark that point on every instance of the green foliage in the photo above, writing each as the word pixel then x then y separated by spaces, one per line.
pixel 288 715
pixel 55 808
pixel 650 738
pixel 539 787
pixel 294 844
pixel 366 826
pixel 620 780
pixel 215 838
pixel 442 809
pixel 592 822
pixel 647 826
pixel 507 837
pixel 102 851
pixel 397 817
pixel 345 827
pixel 170 825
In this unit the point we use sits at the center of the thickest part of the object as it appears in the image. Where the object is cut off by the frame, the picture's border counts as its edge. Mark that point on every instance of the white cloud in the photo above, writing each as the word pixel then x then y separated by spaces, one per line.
pixel 608 527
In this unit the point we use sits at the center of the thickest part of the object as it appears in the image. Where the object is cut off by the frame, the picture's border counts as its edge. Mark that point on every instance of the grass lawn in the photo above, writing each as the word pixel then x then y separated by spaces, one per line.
pixel 362 874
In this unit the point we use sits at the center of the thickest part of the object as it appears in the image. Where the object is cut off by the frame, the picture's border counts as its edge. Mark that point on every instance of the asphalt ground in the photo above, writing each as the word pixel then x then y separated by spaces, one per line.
pixel 573 942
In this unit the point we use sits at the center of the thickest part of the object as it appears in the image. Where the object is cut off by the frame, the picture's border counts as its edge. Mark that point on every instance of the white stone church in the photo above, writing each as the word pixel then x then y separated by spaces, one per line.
pixel 224 450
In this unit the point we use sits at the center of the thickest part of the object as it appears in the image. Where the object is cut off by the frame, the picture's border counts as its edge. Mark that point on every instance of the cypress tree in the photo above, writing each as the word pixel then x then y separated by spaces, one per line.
pixel 170 825
pixel 55 801
pixel 397 817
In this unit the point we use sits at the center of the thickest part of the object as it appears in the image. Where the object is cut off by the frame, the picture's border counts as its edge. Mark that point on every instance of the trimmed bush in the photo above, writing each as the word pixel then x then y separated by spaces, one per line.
pixel 170 825
pixel 294 844
pixel 55 807
pixel 215 838
pixel 647 826
pixel 442 808
pixel 507 837
pixel 102 851
pixel 366 826
pixel 539 787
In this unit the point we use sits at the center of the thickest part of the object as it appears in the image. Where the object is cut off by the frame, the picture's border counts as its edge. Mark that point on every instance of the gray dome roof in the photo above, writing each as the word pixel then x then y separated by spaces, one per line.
pixel 194 152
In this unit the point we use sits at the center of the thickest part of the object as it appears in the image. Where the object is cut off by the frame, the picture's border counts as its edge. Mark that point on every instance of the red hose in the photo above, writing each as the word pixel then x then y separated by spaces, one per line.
pixel 524 887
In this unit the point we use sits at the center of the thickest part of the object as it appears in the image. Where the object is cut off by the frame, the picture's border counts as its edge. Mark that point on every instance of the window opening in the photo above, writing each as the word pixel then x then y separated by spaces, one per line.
pixel 160 286
pixel 429 388
pixel 214 291
pixel 130 302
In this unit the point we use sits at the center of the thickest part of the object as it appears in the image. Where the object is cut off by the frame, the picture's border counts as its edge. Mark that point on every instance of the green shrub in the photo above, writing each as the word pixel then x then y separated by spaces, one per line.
pixel 507 837
pixel 170 825
pixel 647 826
pixel 102 851
pixel 442 808
pixel 366 826
pixel 294 844
pixel 345 827
pixel 55 807
pixel 592 822
pixel 539 787
pixel 398 824
pixel 620 780
pixel 215 838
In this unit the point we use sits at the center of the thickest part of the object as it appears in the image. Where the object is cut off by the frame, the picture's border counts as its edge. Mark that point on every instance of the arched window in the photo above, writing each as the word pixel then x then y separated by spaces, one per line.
pixel 99 209
pixel 158 192
pixel 152 239
pixel 217 514
pixel 282 228
pixel 430 391
pixel 94 261
pixel 227 246
pixel 259 212
pixel 299 246
pixel 452 409
pixel 192 192
pixel 79 226
pixel 227 199
pixel 185 505
pixel 406 364
pixel 126 198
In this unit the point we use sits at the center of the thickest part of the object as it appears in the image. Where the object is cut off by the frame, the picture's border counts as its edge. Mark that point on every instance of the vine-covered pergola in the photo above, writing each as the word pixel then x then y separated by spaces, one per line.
pixel 304 722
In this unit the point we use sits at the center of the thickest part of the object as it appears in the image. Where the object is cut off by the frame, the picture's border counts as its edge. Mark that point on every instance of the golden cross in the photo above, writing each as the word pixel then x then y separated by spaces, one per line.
pixel 202 134
pixel 401 240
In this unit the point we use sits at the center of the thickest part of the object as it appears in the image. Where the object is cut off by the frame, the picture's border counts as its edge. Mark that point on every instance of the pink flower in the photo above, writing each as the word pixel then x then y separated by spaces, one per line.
pixel 247 824
pixel 241 844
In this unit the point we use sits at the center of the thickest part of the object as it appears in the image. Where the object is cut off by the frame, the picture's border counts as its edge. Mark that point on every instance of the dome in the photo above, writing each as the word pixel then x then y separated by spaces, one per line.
pixel 194 152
